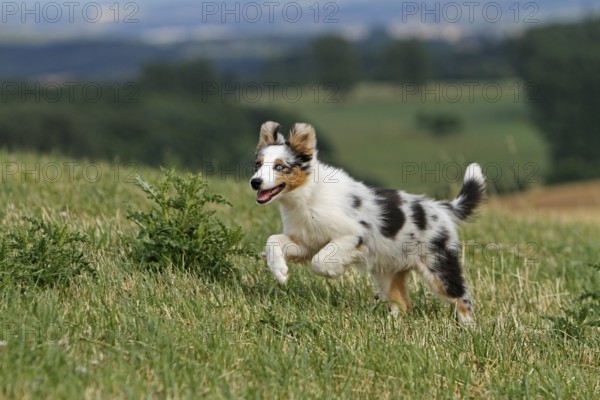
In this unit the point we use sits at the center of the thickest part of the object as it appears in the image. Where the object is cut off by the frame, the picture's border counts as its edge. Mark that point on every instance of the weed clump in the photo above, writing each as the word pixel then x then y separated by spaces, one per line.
pixel 181 232
pixel 40 253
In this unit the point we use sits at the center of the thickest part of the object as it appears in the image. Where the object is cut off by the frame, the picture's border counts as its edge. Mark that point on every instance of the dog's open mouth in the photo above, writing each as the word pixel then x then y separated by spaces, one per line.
pixel 264 196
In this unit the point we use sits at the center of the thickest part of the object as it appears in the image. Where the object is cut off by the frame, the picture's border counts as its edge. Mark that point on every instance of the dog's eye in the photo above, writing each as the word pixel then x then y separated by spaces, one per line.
pixel 279 167
pixel 257 166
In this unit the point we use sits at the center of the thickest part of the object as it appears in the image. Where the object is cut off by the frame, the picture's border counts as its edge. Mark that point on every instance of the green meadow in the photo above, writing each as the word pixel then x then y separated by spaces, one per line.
pixel 123 331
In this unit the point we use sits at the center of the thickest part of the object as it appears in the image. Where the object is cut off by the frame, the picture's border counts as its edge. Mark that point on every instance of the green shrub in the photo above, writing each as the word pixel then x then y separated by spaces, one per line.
pixel 180 232
pixel 439 124
pixel 41 253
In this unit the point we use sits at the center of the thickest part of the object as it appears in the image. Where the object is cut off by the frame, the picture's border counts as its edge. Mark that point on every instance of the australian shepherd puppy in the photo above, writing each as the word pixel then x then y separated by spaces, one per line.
pixel 333 221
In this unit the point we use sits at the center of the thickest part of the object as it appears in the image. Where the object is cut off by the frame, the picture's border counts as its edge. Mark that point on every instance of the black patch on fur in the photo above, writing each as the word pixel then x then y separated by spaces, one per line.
pixel 304 158
pixel 418 214
pixel 356 202
pixel 446 265
pixel 392 217
pixel 412 236
pixel 451 275
pixel 301 158
pixel 439 241
pixel 276 132
pixel 360 241
pixel 303 167
pixel 365 224
pixel 470 196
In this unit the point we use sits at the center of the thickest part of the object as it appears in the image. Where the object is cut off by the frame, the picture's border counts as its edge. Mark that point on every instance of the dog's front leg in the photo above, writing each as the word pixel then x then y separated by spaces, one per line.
pixel 279 249
pixel 335 257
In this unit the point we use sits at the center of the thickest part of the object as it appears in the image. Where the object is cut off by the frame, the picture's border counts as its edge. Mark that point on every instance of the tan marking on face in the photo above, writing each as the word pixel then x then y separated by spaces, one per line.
pixel 302 139
pixel 293 179
pixel 283 164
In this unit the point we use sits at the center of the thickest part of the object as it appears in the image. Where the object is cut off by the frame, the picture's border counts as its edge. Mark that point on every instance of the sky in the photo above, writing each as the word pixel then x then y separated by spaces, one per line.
pixel 167 21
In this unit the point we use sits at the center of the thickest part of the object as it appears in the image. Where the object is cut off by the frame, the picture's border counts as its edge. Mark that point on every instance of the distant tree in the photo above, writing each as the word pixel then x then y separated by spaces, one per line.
pixel 191 77
pixel 560 65
pixel 440 123
pixel 369 52
pixel 296 65
pixel 405 61
pixel 336 62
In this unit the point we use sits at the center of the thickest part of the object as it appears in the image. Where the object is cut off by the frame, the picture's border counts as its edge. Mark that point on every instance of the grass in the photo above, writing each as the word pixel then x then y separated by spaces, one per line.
pixel 375 133
pixel 125 332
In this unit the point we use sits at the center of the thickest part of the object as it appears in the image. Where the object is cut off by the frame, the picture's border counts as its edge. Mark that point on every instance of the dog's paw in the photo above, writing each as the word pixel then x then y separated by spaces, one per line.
pixel 279 269
pixel 281 278
pixel 467 320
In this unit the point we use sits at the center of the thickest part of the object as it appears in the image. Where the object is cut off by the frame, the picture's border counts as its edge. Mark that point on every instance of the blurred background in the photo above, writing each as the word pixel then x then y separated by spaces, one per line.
pixel 403 94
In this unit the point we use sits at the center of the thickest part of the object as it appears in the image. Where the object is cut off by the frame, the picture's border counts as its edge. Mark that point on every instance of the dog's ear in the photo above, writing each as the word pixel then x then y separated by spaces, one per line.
pixel 269 134
pixel 303 140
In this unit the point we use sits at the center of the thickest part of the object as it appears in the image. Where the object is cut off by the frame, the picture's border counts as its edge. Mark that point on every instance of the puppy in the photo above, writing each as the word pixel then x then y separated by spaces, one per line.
pixel 334 221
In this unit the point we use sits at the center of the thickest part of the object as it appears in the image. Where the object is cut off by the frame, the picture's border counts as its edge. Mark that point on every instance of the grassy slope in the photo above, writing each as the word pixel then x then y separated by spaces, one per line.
pixel 374 133
pixel 132 334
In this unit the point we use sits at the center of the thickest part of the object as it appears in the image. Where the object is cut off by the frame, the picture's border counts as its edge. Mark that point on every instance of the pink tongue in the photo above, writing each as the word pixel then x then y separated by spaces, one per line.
pixel 264 195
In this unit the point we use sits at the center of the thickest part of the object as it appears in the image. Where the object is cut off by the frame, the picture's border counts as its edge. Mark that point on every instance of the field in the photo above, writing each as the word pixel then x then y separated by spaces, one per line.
pixel 375 134
pixel 126 332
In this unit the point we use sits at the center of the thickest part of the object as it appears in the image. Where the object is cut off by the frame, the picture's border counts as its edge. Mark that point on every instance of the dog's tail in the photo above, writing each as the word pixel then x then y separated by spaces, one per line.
pixel 471 194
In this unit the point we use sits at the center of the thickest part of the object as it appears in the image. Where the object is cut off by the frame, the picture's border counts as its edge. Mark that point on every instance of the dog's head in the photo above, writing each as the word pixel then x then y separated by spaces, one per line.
pixel 282 165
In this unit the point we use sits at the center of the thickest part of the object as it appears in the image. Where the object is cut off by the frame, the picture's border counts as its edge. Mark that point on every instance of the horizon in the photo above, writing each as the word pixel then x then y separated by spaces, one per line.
pixel 162 22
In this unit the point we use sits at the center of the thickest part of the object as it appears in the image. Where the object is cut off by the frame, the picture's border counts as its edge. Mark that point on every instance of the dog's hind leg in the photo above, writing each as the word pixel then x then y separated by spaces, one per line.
pixel 335 257
pixel 462 302
pixel 394 287
pixel 444 276
pixel 282 248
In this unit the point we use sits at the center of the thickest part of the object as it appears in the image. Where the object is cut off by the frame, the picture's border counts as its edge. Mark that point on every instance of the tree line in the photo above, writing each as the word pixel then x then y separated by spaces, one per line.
pixel 559 63
pixel 165 118
pixel 563 60
pixel 331 59
pixel 161 119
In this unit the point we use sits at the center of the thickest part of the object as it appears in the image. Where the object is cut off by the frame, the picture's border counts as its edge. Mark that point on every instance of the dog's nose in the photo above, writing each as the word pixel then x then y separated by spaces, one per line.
pixel 255 183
